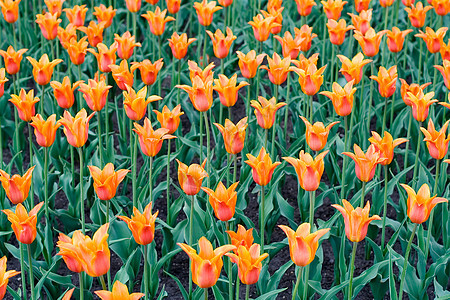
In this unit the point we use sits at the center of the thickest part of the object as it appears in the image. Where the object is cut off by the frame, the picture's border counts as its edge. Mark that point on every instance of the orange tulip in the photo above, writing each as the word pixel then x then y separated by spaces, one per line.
pixel 4 276
pixel 310 79
pixel 302 243
pixel 125 45
pixel 24 224
pixel 54 6
pixel 227 89
pixel 305 32
pixel 370 41
pixel 63 92
pixel 356 220
pixel 3 79
pixel 365 163
pixel 221 43
pixel 122 75
pixel 248 262
pixel 25 104
pixel 136 103
pixel 309 170
pixel 233 135
pixel 442 7
pixel 352 69
pixel 119 291
pixel 333 8
pixel 44 130
pixel 408 3
pixel 105 57
pixel 76 128
pixel 445 51
pixel 417 14
pixel 69 250
pixel 262 26
pixel 191 178
pixel 43 69
pixel 200 93
pixel 317 134
pixel 262 167
pixel 173 6
pixel 207 264
pixel 77 50
pixel 76 15
pixel 304 7
pixel 223 200
pixel 386 3
pixel 433 39
pixel 385 145
pixel 66 35
pixel 274 4
pixel 205 11
pixel 179 44
pixel 95 93
pixel 277 14
pixel 133 5
pixel 337 31
pixel 149 71
pixel 436 142
pixel 49 24
pixel 248 63
pixel 414 88
pixel 361 5
pixel 421 104
pixel 16 187
pixel 290 46
pixel 169 119
pixel 205 74
pixel 142 225
pixel 225 3
pixel 10 10
pixel 445 71
pixel 303 62
pixel 241 237
pixel 107 180
pixel 68 294
pixel 94 32
pixel 421 204
pixel 396 38
pixel 157 20
pixel 342 98
pixel 362 21
pixel 12 59
pixel 278 68
pixel 151 140
pixel 104 14
pixel 265 111
pixel 387 80
pixel 95 252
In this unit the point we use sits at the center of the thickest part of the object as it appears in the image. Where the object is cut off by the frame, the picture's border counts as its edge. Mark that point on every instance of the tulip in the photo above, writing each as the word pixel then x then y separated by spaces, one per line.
pixel 337 31
pixel 311 79
pixel 223 200
pixel 205 74
pixel 69 250
pixel 54 6
pixel 233 135
pixel 274 4
pixel 227 89
pixel 421 104
pixel 433 39
pixel 12 59
pixel 48 23
pixel 241 237
pixel 4 276
pixel 76 128
pixel 10 10
pixel 122 75
pixel 262 167
pixel 342 98
pixel 179 44
pixel 77 50
pixel 304 7
pixel 262 26
pixel 278 18
pixel 305 32
pixel 365 163
pixel 169 119
pixel 370 41
pixel 361 5
pixel 107 180
pixel 76 15
pixel 445 71
pixel 442 7
pixel 248 63
pixel 25 104
pixel 151 140
pixel 63 92
pixel 278 68
pixel 309 170
pixel 408 3
pixel 22 223
pixel 125 45
pixel 133 5
pixel 200 93
pixel 265 111
pixel 445 51
pixel 333 8
pixel 149 71
pixel 191 178
pixel 173 6
pixel 66 35
pixel 3 79
pixel 353 69
pixel 385 146
pixel 303 62
pixel 44 130
pixel 95 252
pixel 417 14
pixel 386 3
pixel 362 21
pixel 248 262
pixel 157 20
pixel 205 11
pixel 43 69
pixel 119 291
pixel 105 57
pixel 135 103
pixel 95 93
pixel 317 134
pixel 387 80
pixel 290 46
pixel 396 38
pixel 221 43
pixel 437 143
pixel 414 88
pixel 16 187
pixel 142 225
pixel 104 14
pixel 94 32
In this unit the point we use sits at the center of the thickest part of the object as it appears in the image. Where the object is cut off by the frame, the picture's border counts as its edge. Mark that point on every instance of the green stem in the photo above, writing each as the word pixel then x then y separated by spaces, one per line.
pixel 344 158
pixel 247 292
pixel 81 280
pixel 134 33
pixel 201 137
pixel 168 183
pixel 266 134
pixel 238 282
pixel 46 181
pixel 99 133
pixel 191 241
pixel 258 72
pixel 312 200
pixel 107 121
pixel 208 150
pixel 408 137
pixel 80 155
pixel 204 48
pixel 286 111
pixel 205 290
pixel 352 268
pixel 261 214
pixel 405 264
pixel 133 165
pixel 150 179
pixel 311 109
pixel 297 283
pixel 230 270
pixel 235 168
pixel 30 146
pixel 159 77
pixel 430 222
pixel 305 289
pixel 369 103
pixel 102 281
pixel 41 103
pixel 30 265
pixel 332 64
pixel 363 193
pixel 419 73
pixel 146 276
pixel 23 272
pixel 419 138
pixel 384 115
pixel 383 227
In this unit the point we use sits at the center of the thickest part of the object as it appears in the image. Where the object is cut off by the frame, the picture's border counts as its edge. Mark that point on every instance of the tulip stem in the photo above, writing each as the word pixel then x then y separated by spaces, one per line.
pixel 22 273
pixel 80 154
pixel 145 271
pixel 311 109
pixel 420 62
pixel 133 166
pixel 230 269
pixel 46 182
pixel 258 71
pixel 352 268
pixel 286 112
pixel 201 137
pixel 408 137
pixel 312 200
pixel 191 241
pixel 384 115
pixel 261 214
pixel 383 227
pixel 150 175
pixel 204 48
pixel 405 264
pixel 369 103
pixel 168 182
pixel 134 33
pixel 247 292
pixel 81 280
pixel 107 120
pixel 297 283
pixel 266 133
pixel 102 281
pixel 344 158
pixel 333 55
pixel 238 282
pixel 305 289
pixel 235 168
pixel 274 131
pixel 99 133
pixel 16 126
pixel 417 155
pixel 206 293
pixel 159 77
pixel 41 103
pixel 208 150
pixel 30 145
pixel 430 222
pixel 363 193
pixel 30 265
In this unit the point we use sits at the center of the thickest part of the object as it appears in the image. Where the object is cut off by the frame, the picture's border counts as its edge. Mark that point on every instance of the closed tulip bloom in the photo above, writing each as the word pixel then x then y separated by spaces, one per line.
pixel 16 187
pixel 442 7
pixel 302 243
pixel 95 252
pixel 49 25
pixel 276 4
pixel 241 237
pixel 311 79
pixel 157 20
pixel 12 59
pixel 223 200
pixel 10 10
pixel 303 62
pixel 125 45
pixel 278 68
pixel 77 50
pixel 76 128
pixel 54 6
pixel 333 8
pixel 365 163
pixel 248 262
pixel 342 98
pixel 3 79
pixel 119 292
pixel 304 7
pixel 227 89
pixel 63 92
pixel 396 38
pixel 149 71
pixel 142 225
pixel 414 88
pixel 408 3
pixel 248 63
pixel 445 51
pixel 200 93
pixel 22 223
pixel 362 21
pixel 437 142
pixel 169 119
pixel 25 104
pixel 387 80
pixel 417 14
pixel 317 134
pixel 290 45
pixel 433 39
pixel 309 170
pixel 191 178
pixel 151 140
pixel 265 111
pixel 43 69
pixel 76 15
pixel 66 35
pixel 179 44
pixel 205 11
pixel 69 250
pixel 207 264
pixel 277 14
pixel 94 32
pixel 361 5
pixel 133 5
pixel 95 93
pixel 173 6
pixel 104 14
pixel 262 167
pixel 233 135
pixel 4 276
pixel 225 3
pixel 337 31
pixel 221 43
pixel 44 130
pixel 135 104
pixel 421 104
pixel 122 75
pixel 105 57
pixel 445 71
pixel 353 69
pixel 370 41
pixel 385 145
pixel 205 74
pixel 356 220
pixel 386 3
pixel 421 204
pixel 262 26
pixel 305 32
pixel 107 180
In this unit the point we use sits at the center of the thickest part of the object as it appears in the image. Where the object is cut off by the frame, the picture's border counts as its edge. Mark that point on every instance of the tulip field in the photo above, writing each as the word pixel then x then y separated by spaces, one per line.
pixel 239 149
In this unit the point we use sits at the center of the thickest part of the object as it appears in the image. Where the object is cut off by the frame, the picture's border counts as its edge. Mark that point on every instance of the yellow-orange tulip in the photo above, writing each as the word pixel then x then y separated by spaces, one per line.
pixel 333 8
pixel 365 163
pixel 107 180
pixel 12 59
pixel 277 14
pixel 10 10
pixel 311 79
pixel 104 14
pixel 337 31
pixel 125 45
pixel 386 3
pixel 191 178
pixel 105 57
pixel 421 104
pixel 445 51
pixel 437 142
pixel 169 119
pixel 221 43
pixel 24 224
pixel 265 111
pixel 16 187
pixel 95 93
pixel 157 20
pixel 303 62
pixel 362 21
pixel 442 7
pixel 179 44
pixel 4 276
pixel 63 92
pixel 133 5
pixel 385 145
pixel 262 26
pixel 342 98
pixel 352 69
pixel 417 14
pixel 76 128
pixel 119 292
pixel 233 135
pixel 77 50
pixel 408 3
pixel 396 38
pixel 223 200
pixel 44 130
pixel 305 32
pixel 25 104
pixel 149 71
pixel 151 140
pixel 317 134
pixel 76 14
pixel 414 88
pixel 48 23
pixel 200 93
pixel 309 170
pixel 69 250
pixel 66 35
pixel 304 7
pixel 54 6
pixel 241 237
pixel 248 63
pixel 445 71
pixel 205 74
pixel 274 4
pixel 205 11
pixel 135 104
pixel 361 5
pixel 370 41
pixel 387 80
pixel 290 45
pixel 142 225
pixel 433 39
pixel 3 79
pixel 227 89
pixel 122 75
pixel 248 262
pixel 173 6
pixel 278 68
pixel 94 32
pixel 262 167
pixel 43 69
pixel 95 252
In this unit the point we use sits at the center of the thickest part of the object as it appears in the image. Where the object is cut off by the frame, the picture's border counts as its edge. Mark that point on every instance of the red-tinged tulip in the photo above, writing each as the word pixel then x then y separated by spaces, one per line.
pixel 95 93
pixel 133 5
pixel 433 39
pixel 151 140
pixel 445 104
pixel 10 10
pixel 135 104
pixel 4 276
pixel 421 204
pixel 68 294
pixel 370 41
pixel 365 163
pixel 353 69
pixel 149 71
pixel 305 33
pixel 317 134
pixel 241 237
pixel 265 110
pixel 76 15
pixel 119 292
pixel 262 26
pixel 95 252
pixel 43 69
pixel 16 187
pixel 396 38
pixel 25 104
pixel 142 225
pixel 277 14
pixel 274 4
pixel 173 6
pixel 49 25
pixel 362 21
pixel 221 43
pixel 262 167
pixel 233 135
pixel 94 32
pixel 342 98
pixel 63 92
pixel 207 264
pixel 69 250
pixel 205 11
pixel 125 45
pixel 3 79
pixel 408 3
pixel 157 20
pixel 77 50
pixel 303 62
pixel 387 80
pixel 105 57
pixel 386 3
pixel 361 5
pixel 337 31
pixel 421 104
pixel 12 59
pixel 445 51
pixel 76 128
pixel 122 75
pixel 445 71
pixel 66 35
pixel 107 180
pixel 169 119
pixel 290 45
pixel 417 14
pixel 228 89
pixel 302 243
pixel 24 224
pixel 304 7
pixel 104 14
pixel 385 145
pixel 205 74
pixel 248 63
pixel 414 88
pixel 442 7
pixel 333 8
pixel 248 262
pixel 311 79
pixel 152 2
pixel 223 200
pixel 309 170
pixel 179 44
pixel 45 130
pixel 54 6
pixel 356 220
pixel 200 93
pixel 437 142
pixel 278 68
pixel 191 178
